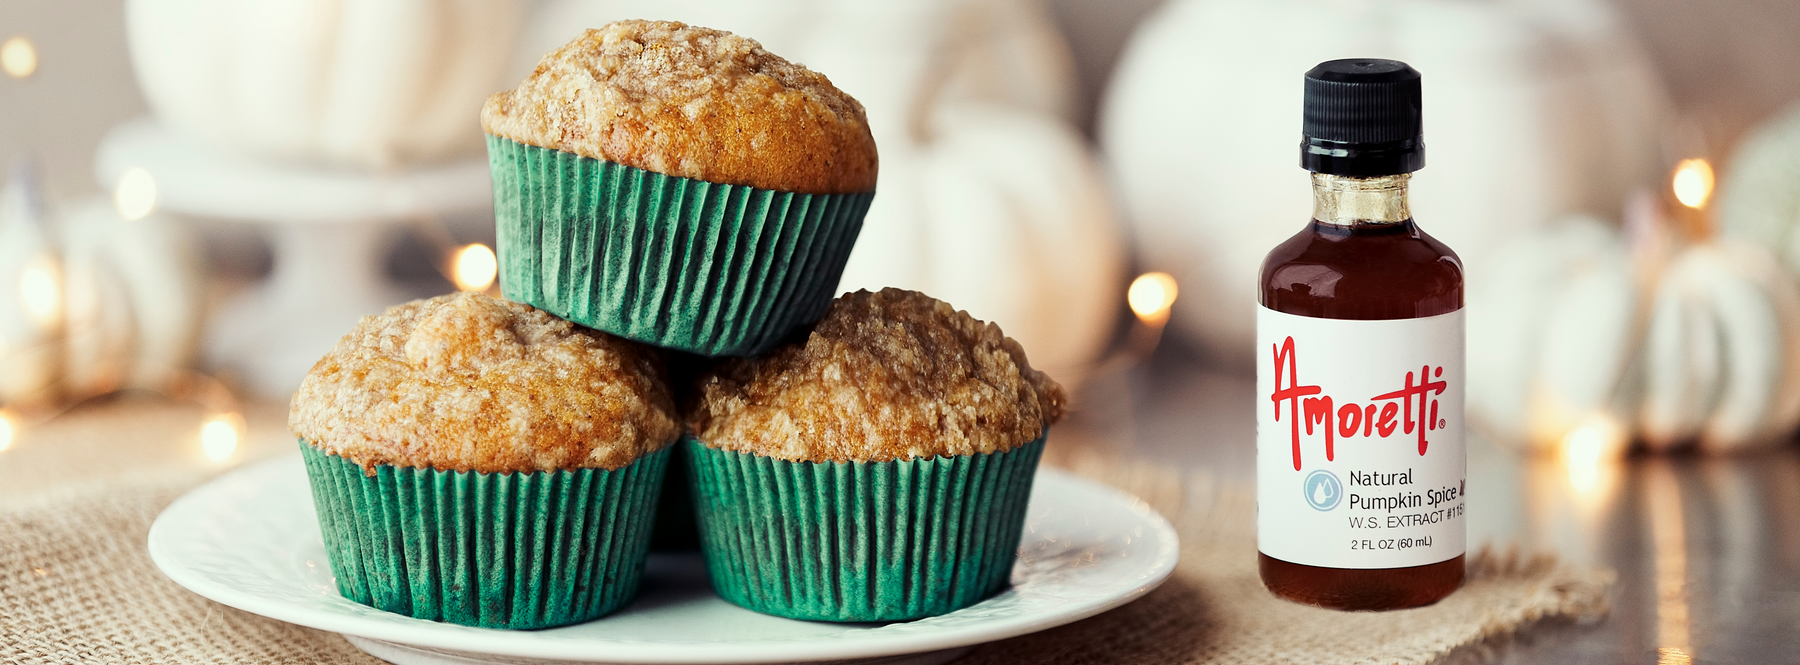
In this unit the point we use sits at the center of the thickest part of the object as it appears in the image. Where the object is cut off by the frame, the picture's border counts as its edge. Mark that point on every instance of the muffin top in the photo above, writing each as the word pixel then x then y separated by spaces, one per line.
pixel 692 102
pixel 884 376
pixel 468 382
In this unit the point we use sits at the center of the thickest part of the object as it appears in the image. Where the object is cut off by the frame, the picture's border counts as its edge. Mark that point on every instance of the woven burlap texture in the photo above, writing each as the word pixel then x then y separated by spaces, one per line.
pixel 1214 608
pixel 77 586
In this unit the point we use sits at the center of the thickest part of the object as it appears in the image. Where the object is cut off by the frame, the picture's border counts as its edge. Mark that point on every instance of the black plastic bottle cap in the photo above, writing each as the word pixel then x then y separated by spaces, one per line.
pixel 1363 118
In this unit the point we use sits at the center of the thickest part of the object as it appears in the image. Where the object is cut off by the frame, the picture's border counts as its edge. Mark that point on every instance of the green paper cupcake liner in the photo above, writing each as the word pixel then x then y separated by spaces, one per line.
pixel 499 550
pixel 860 541
pixel 674 262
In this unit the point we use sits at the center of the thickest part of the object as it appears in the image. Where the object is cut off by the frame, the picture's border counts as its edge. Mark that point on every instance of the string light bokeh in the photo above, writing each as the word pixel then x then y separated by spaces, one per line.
pixel 1693 182
pixel 475 268
pixel 18 56
pixel 41 292
pixel 1589 452
pixel 220 435
pixel 1151 296
pixel 135 195
pixel 8 429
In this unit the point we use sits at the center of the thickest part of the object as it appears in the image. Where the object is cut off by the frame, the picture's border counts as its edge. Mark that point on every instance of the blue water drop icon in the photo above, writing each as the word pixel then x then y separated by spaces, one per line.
pixel 1322 490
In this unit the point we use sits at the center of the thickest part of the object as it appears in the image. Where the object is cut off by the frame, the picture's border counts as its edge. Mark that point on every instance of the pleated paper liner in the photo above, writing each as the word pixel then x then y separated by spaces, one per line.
pixel 860 541
pixel 501 550
pixel 719 270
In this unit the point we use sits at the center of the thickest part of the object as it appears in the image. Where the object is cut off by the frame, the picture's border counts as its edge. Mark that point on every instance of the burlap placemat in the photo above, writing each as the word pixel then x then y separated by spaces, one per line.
pixel 1214 608
pixel 76 585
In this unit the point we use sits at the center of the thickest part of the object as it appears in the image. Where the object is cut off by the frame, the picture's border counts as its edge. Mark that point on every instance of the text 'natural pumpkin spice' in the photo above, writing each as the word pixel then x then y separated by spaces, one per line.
pixel 1359 439
pixel 678 186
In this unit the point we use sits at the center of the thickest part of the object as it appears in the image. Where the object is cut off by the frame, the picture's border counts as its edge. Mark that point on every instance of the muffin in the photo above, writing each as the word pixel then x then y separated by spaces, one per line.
pixel 876 471
pixel 678 186
pixel 480 462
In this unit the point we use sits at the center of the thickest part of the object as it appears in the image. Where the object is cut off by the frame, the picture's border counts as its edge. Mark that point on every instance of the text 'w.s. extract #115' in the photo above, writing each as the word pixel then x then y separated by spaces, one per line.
pixel 1359 440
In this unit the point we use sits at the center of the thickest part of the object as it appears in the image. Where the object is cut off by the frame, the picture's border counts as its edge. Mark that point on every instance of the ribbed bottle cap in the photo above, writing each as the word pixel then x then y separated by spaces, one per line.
pixel 1362 118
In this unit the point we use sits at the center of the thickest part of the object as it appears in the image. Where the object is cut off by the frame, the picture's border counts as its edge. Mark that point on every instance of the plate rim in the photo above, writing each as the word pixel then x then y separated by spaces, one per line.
pixel 510 643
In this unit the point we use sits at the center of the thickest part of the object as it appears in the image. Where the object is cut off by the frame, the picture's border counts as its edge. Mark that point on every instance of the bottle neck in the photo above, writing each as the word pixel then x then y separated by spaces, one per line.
pixel 1355 201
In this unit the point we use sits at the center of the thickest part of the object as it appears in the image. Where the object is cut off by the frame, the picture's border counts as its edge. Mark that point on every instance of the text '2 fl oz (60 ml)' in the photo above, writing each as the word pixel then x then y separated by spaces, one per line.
pixel 1359 442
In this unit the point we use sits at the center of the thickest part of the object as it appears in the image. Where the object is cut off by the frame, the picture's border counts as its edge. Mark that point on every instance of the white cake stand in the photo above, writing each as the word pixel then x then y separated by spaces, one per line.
pixel 328 230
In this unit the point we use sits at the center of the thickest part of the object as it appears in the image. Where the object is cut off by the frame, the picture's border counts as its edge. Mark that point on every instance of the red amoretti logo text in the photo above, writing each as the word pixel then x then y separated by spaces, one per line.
pixel 1351 419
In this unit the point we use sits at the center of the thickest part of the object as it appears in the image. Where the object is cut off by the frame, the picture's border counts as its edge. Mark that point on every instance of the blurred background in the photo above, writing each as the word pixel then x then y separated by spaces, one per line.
pixel 202 195
pixel 205 186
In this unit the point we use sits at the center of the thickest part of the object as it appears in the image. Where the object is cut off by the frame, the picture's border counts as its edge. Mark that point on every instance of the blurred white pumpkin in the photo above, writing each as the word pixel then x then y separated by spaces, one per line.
pixel 91 302
pixel 1533 109
pixel 1683 341
pixel 1551 330
pixel 1759 200
pixel 30 293
pixel 988 199
pixel 136 299
pixel 364 83
pixel 1722 354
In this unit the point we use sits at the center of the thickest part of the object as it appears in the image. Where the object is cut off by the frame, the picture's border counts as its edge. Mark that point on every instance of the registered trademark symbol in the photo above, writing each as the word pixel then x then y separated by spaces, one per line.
pixel 1440 423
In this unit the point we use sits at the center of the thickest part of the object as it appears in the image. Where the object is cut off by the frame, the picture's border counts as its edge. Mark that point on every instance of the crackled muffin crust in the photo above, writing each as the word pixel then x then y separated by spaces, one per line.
pixel 468 382
pixel 692 102
pixel 884 376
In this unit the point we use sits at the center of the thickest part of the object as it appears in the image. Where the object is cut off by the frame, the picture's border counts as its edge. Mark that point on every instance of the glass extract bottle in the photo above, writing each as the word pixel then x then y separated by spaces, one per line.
pixel 1359 441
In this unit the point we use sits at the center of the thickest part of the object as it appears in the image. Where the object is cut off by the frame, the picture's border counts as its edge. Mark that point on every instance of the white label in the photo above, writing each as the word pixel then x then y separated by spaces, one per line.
pixel 1359 440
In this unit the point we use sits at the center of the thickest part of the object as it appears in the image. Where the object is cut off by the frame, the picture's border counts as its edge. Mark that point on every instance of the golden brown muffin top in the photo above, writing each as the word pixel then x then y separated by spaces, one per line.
pixel 468 382
pixel 692 102
pixel 884 376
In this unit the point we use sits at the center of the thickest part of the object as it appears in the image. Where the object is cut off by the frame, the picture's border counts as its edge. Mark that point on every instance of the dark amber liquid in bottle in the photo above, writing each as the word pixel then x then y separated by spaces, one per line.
pixel 1362 271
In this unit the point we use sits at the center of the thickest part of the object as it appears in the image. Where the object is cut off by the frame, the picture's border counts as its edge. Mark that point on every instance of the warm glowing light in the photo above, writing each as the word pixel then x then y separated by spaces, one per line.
pixel 219 437
pixel 1597 441
pixel 1151 295
pixel 135 197
pixel 1693 182
pixel 1668 542
pixel 8 430
pixel 18 57
pixel 476 268
pixel 41 293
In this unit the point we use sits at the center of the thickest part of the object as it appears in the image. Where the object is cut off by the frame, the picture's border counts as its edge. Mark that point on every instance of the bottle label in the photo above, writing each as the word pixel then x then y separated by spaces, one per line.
pixel 1359 440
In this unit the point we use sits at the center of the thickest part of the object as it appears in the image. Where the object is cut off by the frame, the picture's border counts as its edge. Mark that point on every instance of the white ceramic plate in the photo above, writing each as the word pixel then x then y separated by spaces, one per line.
pixel 250 540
